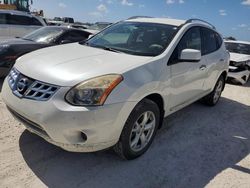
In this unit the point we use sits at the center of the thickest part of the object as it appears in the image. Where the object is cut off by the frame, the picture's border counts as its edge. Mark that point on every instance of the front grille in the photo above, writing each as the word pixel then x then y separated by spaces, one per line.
pixel 40 91
pixel 25 87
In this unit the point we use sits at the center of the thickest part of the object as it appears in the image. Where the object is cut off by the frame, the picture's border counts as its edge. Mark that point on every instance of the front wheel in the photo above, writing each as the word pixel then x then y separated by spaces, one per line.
pixel 213 98
pixel 139 130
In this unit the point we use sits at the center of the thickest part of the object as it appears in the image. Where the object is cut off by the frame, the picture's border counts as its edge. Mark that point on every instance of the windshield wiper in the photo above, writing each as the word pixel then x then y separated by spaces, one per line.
pixel 110 49
pixel 86 43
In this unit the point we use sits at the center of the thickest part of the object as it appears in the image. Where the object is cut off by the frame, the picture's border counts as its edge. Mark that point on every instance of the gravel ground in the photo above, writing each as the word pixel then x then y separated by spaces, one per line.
pixel 198 146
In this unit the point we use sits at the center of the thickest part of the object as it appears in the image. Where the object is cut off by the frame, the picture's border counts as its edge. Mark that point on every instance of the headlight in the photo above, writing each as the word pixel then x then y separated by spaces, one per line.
pixel 93 92
pixel 238 64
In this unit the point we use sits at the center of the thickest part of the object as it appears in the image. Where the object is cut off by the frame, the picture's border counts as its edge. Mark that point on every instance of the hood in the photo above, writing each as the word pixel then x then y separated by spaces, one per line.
pixel 70 64
pixel 239 57
pixel 11 41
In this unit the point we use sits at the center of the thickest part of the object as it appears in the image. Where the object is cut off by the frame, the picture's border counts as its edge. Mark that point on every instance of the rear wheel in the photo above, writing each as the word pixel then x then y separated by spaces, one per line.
pixel 139 130
pixel 213 98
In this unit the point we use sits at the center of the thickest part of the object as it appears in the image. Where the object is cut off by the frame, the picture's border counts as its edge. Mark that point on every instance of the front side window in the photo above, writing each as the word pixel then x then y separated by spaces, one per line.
pixel 35 21
pixel 190 40
pixel 135 38
pixel 238 48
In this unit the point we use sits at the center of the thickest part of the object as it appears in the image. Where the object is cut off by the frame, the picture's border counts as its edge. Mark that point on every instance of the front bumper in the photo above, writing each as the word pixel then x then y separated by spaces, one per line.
pixel 240 75
pixel 63 125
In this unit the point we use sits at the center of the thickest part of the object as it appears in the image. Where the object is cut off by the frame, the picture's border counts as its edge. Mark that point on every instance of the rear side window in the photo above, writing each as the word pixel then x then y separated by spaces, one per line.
pixel 18 20
pixel 22 20
pixel 219 40
pixel 210 43
pixel 2 18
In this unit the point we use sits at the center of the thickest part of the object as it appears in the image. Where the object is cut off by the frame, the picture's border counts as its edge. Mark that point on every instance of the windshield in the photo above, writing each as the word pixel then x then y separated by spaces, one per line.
pixel 145 39
pixel 44 34
pixel 238 48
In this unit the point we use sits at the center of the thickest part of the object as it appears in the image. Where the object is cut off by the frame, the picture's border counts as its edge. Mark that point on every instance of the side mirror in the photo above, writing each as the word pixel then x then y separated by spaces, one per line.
pixel 190 55
pixel 65 41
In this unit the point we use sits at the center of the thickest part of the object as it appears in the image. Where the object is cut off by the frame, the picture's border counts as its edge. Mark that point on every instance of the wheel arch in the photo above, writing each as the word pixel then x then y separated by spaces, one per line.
pixel 224 74
pixel 158 99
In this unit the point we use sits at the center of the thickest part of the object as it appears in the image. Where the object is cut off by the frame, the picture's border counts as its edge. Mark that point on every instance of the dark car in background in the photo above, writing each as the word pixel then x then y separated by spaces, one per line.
pixel 11 49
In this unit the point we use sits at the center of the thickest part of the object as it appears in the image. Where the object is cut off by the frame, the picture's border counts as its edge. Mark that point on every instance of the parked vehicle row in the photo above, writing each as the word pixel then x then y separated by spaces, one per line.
pixel 60 21
pixel 18 24
pixel 239 69
pixel 114 89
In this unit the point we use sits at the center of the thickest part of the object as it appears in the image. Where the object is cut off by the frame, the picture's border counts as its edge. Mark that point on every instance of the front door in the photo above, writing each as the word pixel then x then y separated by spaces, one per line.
pixel 187 78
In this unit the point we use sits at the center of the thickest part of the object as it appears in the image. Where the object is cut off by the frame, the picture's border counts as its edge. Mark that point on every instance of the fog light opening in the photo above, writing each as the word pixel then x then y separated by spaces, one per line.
pixel 84 136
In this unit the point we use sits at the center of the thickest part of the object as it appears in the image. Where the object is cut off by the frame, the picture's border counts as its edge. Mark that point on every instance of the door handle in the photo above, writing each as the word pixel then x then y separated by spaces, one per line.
pixel 221 60
pixel 203 67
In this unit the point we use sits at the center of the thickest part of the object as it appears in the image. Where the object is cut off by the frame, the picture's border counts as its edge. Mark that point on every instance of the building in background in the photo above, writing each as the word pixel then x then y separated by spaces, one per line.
pixel 22 5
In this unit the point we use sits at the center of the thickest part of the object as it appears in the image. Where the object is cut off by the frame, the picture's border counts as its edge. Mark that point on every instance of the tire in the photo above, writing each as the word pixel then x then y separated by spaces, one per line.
pixel 136 137
pixel 213 98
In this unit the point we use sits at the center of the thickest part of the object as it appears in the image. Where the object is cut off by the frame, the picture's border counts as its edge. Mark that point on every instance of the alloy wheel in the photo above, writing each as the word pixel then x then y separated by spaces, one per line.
pixel 142 131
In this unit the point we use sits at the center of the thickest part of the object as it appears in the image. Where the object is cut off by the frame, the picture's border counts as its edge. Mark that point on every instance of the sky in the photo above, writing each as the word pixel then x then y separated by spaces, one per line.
pixel 230 17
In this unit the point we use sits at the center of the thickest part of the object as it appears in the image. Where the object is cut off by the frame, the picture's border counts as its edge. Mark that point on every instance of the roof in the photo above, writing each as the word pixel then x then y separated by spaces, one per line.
pixel 16 12
pixel 238 41
pixel 168 21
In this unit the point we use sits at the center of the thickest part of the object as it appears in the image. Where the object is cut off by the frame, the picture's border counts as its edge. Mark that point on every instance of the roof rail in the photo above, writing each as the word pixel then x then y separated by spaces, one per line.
pixel 199 20
pixel 135 17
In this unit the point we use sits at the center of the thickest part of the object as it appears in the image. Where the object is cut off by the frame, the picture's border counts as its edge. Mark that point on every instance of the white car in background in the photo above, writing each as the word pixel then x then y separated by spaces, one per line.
pixel 115 89
pixel 18 24
pixel 239 69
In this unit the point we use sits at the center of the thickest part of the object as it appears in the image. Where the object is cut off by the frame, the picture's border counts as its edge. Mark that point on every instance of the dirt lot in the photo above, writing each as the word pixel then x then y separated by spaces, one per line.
pixel 198 146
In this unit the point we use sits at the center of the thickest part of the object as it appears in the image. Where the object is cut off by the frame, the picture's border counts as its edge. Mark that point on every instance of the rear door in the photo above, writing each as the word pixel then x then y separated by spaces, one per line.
pixel 187 78
pixel 4 28
pixel 213 52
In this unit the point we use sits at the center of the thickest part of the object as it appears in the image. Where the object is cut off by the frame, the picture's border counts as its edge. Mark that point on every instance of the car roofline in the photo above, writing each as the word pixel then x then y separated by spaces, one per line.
pixel 237 41
pixel 170 21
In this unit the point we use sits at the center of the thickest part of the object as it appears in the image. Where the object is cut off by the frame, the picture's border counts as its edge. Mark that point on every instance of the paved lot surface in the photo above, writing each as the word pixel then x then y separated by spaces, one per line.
pixel 198 146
